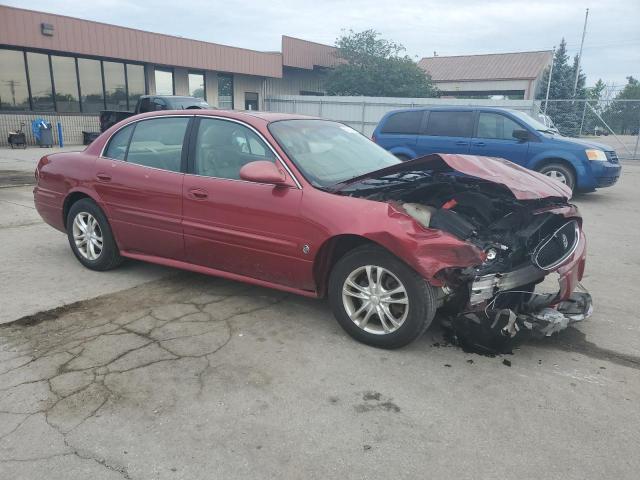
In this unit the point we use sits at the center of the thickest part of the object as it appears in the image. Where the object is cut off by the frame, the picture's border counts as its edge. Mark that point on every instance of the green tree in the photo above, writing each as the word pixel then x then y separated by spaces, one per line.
pixel 566 115
pixel 622 115
pixel 373 66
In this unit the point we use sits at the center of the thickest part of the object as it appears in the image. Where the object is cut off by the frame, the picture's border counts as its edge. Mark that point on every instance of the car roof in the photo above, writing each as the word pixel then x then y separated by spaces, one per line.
pixel 249 116
pixel 452 108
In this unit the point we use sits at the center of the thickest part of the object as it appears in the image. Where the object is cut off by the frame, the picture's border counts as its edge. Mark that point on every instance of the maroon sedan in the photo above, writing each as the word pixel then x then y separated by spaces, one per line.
pixel 313 207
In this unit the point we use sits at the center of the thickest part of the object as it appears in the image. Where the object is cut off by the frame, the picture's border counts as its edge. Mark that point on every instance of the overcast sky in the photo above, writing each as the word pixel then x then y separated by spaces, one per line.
pixel 611 52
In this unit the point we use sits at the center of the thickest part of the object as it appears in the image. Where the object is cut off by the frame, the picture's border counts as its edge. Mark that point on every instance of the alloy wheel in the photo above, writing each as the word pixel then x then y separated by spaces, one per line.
pixel 87 236
pixel 556 175
pixel 375 300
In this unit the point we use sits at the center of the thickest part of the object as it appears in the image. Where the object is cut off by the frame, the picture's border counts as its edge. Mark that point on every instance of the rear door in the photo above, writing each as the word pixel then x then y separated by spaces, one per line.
pixel 139 179
pixel 399 133
pixel 446 131
pixel 494 138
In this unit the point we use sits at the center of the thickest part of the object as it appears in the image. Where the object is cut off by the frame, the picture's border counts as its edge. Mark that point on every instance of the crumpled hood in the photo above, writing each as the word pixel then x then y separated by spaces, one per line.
pixel 525 184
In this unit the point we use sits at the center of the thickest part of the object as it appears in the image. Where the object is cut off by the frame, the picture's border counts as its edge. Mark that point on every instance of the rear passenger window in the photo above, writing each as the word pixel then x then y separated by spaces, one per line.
pixel 450 124
pixel 118 144
pixel 407 123
pixel 158 143
pixel 223 148
pixel 494 125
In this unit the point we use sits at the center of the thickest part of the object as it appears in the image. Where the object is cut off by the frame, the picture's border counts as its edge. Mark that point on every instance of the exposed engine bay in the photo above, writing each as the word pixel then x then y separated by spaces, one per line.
pixel 523 241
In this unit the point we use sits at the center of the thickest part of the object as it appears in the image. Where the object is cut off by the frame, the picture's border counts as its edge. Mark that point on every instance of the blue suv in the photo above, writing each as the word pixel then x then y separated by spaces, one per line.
pixel 498 132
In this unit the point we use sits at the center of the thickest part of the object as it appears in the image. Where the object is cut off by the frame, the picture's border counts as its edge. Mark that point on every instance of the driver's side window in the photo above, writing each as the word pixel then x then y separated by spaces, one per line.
pixel 224 147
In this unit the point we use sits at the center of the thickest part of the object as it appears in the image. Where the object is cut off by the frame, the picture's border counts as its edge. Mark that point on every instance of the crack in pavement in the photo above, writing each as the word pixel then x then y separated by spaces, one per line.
pixel 62 362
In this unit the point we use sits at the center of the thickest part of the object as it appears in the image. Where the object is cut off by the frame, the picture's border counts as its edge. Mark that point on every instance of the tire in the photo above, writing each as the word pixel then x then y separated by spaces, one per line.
pixel 560 172
pixel 85 213
pixel 402 157
pixel 411 320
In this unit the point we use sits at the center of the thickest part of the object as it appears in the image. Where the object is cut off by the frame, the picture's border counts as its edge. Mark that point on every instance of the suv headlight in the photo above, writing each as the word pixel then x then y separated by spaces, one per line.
pixel 594 154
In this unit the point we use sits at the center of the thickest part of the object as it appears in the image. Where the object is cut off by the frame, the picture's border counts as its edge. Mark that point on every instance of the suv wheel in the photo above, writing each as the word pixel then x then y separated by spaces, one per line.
pixel 378 299
pixel 90 236
pixel 559 172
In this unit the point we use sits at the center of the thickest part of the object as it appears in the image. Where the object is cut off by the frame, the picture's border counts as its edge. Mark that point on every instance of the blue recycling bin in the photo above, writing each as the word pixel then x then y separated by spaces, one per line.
pixel 42 132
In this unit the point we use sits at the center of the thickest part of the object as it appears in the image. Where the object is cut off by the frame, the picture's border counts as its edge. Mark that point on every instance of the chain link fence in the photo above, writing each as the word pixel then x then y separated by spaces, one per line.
pixel 615 123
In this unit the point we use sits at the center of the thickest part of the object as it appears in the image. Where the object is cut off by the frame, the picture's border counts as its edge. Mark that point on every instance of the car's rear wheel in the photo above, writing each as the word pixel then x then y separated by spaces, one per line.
pixel 559 172
pixel 378 299
pixel 90 236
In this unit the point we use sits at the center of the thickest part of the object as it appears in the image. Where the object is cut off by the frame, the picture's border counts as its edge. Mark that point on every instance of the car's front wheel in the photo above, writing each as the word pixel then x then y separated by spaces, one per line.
pixel 90 236
pixel 378 299
pixel 559 172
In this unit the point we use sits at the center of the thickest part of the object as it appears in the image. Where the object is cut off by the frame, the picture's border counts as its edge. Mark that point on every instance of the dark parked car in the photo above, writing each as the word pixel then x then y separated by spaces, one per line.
pixel 499 132
pixel 151 103
pixel 312 207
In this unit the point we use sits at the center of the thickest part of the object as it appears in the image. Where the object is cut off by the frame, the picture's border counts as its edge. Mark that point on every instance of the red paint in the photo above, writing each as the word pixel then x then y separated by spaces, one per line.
pixel 259 232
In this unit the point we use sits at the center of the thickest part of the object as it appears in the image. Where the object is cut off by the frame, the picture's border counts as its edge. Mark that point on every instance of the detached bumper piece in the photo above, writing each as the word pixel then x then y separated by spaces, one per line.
pixel 493 332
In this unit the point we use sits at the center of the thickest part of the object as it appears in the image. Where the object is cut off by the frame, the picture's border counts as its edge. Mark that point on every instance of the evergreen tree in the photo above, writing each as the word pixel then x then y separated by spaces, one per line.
pixel 624 117
pixel 566 115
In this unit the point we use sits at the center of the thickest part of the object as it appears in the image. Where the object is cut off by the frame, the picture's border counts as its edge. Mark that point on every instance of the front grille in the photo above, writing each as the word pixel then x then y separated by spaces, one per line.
pixel 557 247
pixel 612 156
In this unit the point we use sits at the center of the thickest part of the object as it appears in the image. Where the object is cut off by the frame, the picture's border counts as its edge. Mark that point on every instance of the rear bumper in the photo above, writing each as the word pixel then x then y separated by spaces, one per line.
pixel 49 206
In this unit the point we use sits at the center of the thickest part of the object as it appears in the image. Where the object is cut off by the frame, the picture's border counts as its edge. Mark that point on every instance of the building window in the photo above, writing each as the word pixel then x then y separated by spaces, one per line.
pixel 225 91
pixel 115 88
pixel 65 82
pixel 91 90
pixel 14 93
pixel 135 84
pixel 164 82
pixel 40 82
pixel 196 85
pixel 251 101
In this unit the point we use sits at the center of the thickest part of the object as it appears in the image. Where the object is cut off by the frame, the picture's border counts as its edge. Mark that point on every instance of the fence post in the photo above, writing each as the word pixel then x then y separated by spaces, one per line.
pixel 635 150
pixel 364 104
pixel 320 109
pixel 295 107
pixel 584 111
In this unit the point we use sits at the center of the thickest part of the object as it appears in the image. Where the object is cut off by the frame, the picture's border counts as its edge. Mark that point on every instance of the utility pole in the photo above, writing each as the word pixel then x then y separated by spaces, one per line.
pixel 546 98
pixel 584 32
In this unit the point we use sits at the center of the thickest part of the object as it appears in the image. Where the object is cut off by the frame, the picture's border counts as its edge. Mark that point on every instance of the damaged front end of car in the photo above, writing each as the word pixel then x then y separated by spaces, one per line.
pixel 527 233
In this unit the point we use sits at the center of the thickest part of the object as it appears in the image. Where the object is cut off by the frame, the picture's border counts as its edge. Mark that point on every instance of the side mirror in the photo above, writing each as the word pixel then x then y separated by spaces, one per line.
pixel 262 171
pixel 521 135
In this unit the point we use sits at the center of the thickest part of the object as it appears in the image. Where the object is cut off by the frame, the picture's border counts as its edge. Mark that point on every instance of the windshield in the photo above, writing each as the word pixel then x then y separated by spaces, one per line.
pixel 532 122
pixel 327 152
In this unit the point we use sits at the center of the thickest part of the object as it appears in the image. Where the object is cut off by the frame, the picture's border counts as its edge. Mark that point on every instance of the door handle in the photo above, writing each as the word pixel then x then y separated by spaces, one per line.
pixel 479 144
pixel 103 177
pixel 462 142
pixel 198 193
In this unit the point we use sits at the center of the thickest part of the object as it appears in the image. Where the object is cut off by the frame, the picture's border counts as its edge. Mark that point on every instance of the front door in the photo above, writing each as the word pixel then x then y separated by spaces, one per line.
pixel 139 179
pixel 494 138
pixel 241 227
pixel 447 131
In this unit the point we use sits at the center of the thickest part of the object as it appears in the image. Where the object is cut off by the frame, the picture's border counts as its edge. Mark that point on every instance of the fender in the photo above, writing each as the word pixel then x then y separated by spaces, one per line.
pixel 569 157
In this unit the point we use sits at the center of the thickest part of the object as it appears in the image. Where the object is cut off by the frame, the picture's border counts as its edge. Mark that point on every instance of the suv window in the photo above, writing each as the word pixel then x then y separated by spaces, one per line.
pixel 223 148
pixel 494 125
pixel 450 124
pixel 158 143
pixel 403 122
pixel 118 144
